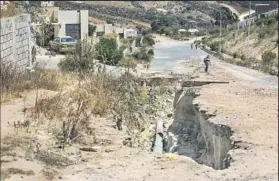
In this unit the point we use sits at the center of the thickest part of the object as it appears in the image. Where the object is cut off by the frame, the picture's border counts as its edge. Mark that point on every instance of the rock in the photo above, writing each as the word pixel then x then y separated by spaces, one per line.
pixel 48 53
pixel 91 149
pixel 109 150
pixel 7 159
pixel 169 115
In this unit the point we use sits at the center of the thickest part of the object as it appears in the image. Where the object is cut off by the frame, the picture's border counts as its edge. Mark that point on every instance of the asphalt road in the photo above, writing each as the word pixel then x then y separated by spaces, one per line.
pixel 168 53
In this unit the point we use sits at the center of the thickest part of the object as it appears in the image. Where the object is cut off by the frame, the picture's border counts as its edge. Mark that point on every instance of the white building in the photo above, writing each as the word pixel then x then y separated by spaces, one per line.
pixel 124 32
pixel 47 3
pixel 70 23
pixel 130 33
pixel 193 30
pixel 103 29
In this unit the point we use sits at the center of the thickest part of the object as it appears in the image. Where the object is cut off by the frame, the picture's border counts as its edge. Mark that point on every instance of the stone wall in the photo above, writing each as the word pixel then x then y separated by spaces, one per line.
pixel 15 41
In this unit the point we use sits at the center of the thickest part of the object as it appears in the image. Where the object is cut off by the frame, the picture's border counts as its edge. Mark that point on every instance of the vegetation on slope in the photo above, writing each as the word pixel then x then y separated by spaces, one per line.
pixel 258 51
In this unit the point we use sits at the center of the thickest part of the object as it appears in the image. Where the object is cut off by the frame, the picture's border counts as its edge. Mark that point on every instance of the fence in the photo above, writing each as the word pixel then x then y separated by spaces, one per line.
pixel 245 23
pixel 16 41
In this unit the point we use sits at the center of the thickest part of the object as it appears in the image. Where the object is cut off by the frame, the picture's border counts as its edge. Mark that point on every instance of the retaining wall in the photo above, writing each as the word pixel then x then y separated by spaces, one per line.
pixel 15 41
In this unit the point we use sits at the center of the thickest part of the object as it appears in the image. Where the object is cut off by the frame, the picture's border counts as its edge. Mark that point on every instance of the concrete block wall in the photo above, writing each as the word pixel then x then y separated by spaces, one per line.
pixel 15 41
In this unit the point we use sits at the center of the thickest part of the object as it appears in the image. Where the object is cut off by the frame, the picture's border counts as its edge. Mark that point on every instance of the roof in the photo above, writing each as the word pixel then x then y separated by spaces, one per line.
pixel 262 5
pixel 182 30
pixel 193 30
pixel 64 36
pixel 130 30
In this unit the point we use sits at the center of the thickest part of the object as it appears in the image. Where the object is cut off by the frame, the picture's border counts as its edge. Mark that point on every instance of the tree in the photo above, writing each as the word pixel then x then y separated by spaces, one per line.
pixel 110 22
pixel 107 52
pixel 91 29
pixel 155 26
pixel 143 55
pixel 81 60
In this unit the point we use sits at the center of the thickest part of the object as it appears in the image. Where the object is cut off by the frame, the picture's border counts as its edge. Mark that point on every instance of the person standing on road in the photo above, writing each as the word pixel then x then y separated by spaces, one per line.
pixel 206 62
pixel 196 46
pixel 192 46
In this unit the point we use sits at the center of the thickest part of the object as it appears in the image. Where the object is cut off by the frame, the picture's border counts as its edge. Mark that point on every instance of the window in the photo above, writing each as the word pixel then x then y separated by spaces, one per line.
pixel 73 30
pixel 67 40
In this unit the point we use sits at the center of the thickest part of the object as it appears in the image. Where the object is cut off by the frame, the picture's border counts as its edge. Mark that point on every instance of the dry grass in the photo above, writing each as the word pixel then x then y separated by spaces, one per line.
pixel 15 84
pixel 49 173
pixel 12 171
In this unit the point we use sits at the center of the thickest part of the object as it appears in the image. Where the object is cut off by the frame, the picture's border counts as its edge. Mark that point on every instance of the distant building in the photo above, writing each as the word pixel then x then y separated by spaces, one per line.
pixel 103 29
pixel 125 32
pixel 182 31
pixel 193 30
pixel 130 33
pixel 47 3
pixel 261 8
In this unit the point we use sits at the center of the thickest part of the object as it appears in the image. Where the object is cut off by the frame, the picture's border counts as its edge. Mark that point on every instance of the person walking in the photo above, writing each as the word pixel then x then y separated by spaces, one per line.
pixel 206 62
pixel 192 46
pixel 196 46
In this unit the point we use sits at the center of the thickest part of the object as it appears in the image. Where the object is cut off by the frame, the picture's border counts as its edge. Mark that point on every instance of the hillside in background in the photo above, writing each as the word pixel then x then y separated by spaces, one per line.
pixel 175 14
pixel 258 51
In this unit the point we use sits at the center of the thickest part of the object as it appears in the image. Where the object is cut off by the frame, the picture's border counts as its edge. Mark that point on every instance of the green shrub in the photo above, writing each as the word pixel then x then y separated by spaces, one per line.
pixel 242 57
pixel 235 55
pixel 268 57
pixel 150 52
pixel 266 31
pixel 143 55
pixel 214 46
pixel 81 60
pixel 269 21
pixel 148 40
pixel 223 50
pixel 107 52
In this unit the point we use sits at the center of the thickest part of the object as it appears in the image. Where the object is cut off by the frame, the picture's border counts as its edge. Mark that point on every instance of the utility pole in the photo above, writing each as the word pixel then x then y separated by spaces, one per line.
pixel 249 21
pixel 220 34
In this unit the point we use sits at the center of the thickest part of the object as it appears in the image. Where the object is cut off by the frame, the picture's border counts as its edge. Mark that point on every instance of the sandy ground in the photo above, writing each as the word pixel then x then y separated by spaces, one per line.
pixel 248 104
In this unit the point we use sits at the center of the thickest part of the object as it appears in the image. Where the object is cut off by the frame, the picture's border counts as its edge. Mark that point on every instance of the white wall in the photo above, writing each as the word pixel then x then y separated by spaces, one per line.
pixel 72 17
pixel 15 45
pixel 130 33
pixel 108 28
pixel 83 23
pixel 118 30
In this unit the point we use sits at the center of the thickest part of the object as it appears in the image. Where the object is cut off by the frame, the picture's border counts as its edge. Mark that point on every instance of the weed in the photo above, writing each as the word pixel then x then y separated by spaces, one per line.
pixel 268 57
pixel 49 173
pixel 12 171
pixel 15 82
pixel 242 57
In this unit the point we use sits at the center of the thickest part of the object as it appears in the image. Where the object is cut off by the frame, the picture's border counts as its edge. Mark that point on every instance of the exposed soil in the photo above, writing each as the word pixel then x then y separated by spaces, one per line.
pixel 247 106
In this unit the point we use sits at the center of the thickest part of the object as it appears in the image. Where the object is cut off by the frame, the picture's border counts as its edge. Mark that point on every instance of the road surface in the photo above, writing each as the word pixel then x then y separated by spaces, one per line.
pixel 168 53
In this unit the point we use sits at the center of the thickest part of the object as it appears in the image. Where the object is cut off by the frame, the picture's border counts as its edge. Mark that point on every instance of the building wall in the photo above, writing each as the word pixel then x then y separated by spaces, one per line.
pixel 108 28
pixel 83 24
pixel 100 28
pixel 130 33
pixel 47 3
pixel 118 30
pixel 72 17
pixel 15 43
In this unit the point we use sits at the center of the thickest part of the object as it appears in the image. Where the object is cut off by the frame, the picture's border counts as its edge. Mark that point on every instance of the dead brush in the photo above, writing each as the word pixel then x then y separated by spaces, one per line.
pixel 6 173
pixel 15 82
